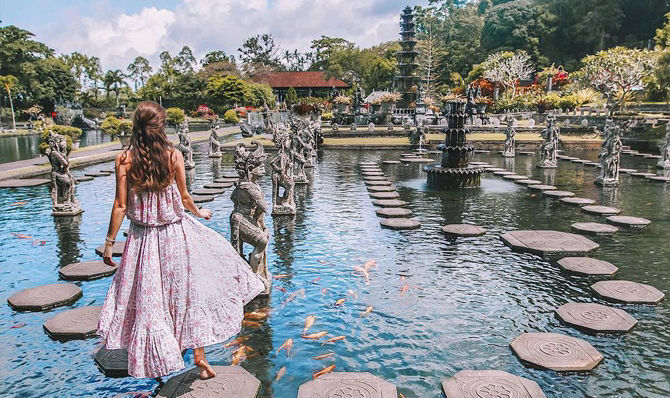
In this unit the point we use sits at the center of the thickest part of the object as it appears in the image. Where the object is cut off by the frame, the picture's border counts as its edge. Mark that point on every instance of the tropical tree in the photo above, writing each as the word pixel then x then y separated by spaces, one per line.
pixel 507 69
pixel 8 82
pixel 113 81
pixel 216 56
pixel 259 50
pixel 228 91
pixel 184 61
pixel 139 70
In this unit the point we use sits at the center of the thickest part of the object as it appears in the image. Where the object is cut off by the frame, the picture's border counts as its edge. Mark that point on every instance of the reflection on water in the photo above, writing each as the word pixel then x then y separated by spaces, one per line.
pixel 468 298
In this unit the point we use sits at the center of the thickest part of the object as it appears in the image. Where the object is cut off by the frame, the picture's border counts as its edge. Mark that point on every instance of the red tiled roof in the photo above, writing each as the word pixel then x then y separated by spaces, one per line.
pixel 302 79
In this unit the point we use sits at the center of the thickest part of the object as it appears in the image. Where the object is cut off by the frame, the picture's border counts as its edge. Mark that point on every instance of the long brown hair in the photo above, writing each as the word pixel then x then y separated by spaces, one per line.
pixel 151 168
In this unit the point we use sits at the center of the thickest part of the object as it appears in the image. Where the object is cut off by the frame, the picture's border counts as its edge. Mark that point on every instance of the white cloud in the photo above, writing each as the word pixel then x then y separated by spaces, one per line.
pixel 207 25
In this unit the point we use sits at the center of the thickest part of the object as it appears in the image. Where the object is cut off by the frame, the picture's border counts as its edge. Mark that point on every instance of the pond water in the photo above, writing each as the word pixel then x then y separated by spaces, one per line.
pixel 468 300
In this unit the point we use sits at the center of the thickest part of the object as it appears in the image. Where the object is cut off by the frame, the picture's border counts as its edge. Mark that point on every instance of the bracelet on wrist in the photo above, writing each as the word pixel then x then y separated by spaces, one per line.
pixel 110 241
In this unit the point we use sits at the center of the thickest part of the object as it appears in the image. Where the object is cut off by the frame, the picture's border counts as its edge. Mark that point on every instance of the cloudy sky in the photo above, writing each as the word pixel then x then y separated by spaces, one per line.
pixel 119 30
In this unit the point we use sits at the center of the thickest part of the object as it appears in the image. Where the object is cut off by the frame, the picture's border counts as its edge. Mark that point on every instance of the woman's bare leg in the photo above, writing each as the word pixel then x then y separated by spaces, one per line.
pixel 206 371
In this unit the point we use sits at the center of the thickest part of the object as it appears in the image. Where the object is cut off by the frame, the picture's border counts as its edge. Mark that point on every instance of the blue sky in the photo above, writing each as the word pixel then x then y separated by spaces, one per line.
pixel 118 31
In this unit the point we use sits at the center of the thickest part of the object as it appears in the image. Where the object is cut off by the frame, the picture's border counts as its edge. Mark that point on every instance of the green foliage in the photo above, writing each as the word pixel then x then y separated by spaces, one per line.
pixel 175 116
pixel 326 116
pixel 110 125
pixel 261 93
pixel 45 136
pixel 291 96
pixel 70 131
pixel 228 91
pixel 230 116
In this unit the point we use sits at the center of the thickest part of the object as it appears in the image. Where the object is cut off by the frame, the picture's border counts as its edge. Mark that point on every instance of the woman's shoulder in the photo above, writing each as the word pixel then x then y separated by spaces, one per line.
pixel 124 158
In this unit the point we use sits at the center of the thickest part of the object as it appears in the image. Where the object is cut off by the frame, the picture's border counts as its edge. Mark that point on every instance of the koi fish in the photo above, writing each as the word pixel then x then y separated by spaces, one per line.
pixel 288 344
pixel 323 371
pixel 404 289
pixel 257 316
pixel 315 280
pixel 281 289
pixel 250 324
pixel 18 325
pixel 309 321
pixel 281 276
pixel 324 356
pixel 352 293
pixel 237 341
pixel 22 203
pixel 370 264
pixel 322 261
pixel 364 273
pixel 293 295
pixel 324 290
pixel 22 236
pixel 314 336
pixel 281 373
pixel 333 339
pixel 367 311
pixel 340 301
pixel 402 278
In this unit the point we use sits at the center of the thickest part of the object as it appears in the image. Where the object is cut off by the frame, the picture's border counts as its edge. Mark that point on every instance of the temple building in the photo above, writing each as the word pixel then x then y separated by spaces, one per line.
pixel 306 84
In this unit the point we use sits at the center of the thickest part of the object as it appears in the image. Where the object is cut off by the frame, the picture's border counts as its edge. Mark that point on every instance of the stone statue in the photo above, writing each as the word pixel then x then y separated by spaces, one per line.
pixel 64 202
pixel 510 141
pixel 610 155
pixel 371 128
pixel 664 163
pixel 549 148
pixel 470 105
pixel 185 145
pixel 298 149
pixel 417 136
pixel 246 221
pixel 214 144
pixel 282 175
pixel 335 126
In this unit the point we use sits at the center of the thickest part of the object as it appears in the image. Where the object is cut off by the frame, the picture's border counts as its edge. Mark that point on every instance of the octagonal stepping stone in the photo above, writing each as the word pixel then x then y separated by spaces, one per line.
pixel 558 194
pixel 378 183
pixel 541 187
pixel 347 384
pixel 45 297
pixel 400 223
pixel 86 271
pixel 208 191
pixel 514 177
pixel 83 179
pixel 381 188
pixel 528 182
pixel 579 161
pixel 587 266
pixel 226 180
pixel 548 243
pixel 408 155
pixel 660 179
pixel 372 174
pixel 479 164
pixel 417 160
pixel 389 203
pixel 371 170
pixel 594 228
pixel 463 230
pixel 601 210
pixel 482 151
pixel 628 221
pixel 112 363
pixel 230 174
pixel 367 163
pixel 627 171
pixel 384 195
pixel 23 182
pixel 375 178
pixel 628 292
pixel 96 174
pixel 577 201
pixel 230 382
pixel 642 174
pixel 503 173
pixel 556 352
pixel 202 198
pixel 218 185
pixel 490 384
pixel 108 171
pixel 78 323
pixel 494 169
pixel 117 248
pixel 596 318
pixel 592 164
pixel 393 212
pixel 390 161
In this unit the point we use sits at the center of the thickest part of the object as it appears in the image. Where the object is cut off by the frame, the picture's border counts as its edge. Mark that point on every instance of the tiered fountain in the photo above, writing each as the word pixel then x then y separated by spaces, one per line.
pixel 455 170
pixel 406 80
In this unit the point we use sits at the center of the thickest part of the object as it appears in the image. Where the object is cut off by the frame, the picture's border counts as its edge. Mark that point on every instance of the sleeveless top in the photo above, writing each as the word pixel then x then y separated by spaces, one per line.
pixel 155 209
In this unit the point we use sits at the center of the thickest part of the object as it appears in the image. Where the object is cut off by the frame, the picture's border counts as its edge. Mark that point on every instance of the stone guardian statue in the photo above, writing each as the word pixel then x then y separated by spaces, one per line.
pixel 549 148
pixel 509 151
pixel 664 163
pixel 185 146
pixel 282 176
pixel 64 202
pixel 610 155
pixel 214 144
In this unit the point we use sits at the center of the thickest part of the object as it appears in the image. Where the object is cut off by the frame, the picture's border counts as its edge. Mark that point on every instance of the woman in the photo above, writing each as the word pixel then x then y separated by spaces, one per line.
pixel 180 285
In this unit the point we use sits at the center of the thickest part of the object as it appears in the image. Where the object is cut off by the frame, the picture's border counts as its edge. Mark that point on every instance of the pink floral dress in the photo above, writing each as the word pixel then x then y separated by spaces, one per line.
pixel 179 285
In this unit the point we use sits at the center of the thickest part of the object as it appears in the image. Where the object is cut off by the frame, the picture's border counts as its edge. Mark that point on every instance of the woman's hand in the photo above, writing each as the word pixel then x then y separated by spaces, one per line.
pixel 204 213
pixel 107 255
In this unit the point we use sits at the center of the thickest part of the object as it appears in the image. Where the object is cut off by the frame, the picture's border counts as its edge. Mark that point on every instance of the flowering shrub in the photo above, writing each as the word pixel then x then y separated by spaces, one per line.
pixel 240 112
pixel 230 116
pixel 485 86
pixel 206 112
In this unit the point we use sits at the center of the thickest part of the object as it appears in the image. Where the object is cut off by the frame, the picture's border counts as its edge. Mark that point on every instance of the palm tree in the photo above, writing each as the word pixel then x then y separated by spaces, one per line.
pixel 8 82
pixel 113 80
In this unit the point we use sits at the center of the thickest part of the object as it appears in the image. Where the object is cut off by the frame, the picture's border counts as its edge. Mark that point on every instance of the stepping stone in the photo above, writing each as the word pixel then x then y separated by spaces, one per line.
pixel 481 151
pixel 218 185
pixel 367 163
pixel 347 385
pixel 503 173
pixel 230 174
pixel 45 297
pixel 417 160
pixel 490 384
pixel 628 221
pixel 389 203
pixel 108 171
pixel 628 292
pixel 394 212
pixel 592 164
pixel 526 153
pixel 378 183
pixel 659 179
pixel 514 177
pixel 548 243
pixel 230 382
pixel 117 248
pixel 23 182
pixel 112 363
pixel 556 352
pixel 587 266
pixel 86 271
pixel 408 155
pixel 541 187
pixel 381 188
pixel 643 175
pixel 208 191
pixel 384 195
pixel 365 171
pixel 567 158
pixel 83 179
pixel 373 173
pixel 627 171
pixel 651 156
pixel 226 180
pixel 202 198
pixel 578 201
pixel 375 178
pixel 494 169
pixel 390 161
pixel 594 228
pixel 463 230
pixel 558 194
pixel 96 174
pixel 400 223
pixel 596 318
pixel 601 210
pixel 479 164
pixel 528 182
pixel 78 323
pixel 579 161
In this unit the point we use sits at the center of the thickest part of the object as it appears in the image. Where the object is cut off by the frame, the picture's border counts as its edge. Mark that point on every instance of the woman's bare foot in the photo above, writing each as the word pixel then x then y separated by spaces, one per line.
pixel 206 371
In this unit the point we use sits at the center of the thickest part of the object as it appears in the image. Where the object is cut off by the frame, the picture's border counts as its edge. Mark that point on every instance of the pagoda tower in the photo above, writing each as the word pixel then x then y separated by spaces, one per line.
pixel 406 81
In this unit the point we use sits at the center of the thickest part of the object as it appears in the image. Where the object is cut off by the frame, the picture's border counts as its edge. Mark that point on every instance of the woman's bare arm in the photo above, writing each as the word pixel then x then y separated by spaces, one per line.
pixel 119 207
pixel 186 199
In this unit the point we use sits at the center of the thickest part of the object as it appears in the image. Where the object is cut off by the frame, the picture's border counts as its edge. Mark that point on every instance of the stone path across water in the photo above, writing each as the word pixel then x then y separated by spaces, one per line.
pixel 389 203
pixel 384 195
pixel 400 223
pixel 45 297
pixel 541 187
pixel 596 318
pixel 555 351
pixel 394 212
pixel 208 191
pixel 577 201
pixel 490 384
pixel 558 194
pixel 587 266
pixel 601 210
pixel 347 385
pixel 381 188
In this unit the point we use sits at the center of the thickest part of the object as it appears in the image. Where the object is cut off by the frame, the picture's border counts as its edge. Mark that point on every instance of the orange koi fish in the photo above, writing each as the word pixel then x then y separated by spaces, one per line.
pixel 367 311
pixel 288 344
pixel 314 336
pixel 323 371
pixel 281 276
pixel 334 339
pixel 237 341
pixel 250 324
pixel 281 373
pixel 404 289
pixel 309 321
pixel 353 294
pixel 324 356
pixel 340 301
pixel 257 316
